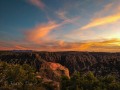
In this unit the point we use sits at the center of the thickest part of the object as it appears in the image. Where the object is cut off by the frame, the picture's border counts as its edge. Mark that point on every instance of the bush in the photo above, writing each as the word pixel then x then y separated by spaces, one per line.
pixel 17 76
pixel 90 82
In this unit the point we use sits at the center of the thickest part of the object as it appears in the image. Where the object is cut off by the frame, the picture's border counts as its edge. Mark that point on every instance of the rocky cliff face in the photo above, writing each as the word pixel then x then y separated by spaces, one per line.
pixel 53 71
pixel 100 63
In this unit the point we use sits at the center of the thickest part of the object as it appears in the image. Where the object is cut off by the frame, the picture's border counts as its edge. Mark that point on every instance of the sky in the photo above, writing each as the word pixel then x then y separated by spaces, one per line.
pixel 60 25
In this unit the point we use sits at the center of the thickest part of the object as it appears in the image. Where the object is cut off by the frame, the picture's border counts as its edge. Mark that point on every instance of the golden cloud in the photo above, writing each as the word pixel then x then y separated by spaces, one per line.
pixel 106 45
pixel 112 45
pixel 102 21
pixel 41 31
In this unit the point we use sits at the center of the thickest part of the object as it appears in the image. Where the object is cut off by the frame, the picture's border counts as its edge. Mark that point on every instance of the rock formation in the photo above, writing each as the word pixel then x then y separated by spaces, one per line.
pixel 53 71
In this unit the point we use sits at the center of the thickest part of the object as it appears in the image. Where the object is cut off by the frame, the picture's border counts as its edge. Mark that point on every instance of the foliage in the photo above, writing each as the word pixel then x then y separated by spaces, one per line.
pixel 89 82
pixel 20 77
pixel 23 77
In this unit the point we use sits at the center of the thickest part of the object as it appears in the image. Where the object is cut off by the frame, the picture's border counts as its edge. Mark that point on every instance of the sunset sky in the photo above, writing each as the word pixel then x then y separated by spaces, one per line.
pixel 60 25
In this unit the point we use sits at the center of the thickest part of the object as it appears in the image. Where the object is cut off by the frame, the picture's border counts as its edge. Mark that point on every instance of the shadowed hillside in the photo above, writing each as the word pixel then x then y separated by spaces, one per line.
pixel 99 63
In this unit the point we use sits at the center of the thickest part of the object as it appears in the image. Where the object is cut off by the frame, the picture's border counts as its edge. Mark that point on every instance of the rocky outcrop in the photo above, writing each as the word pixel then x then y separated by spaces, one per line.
pixel 53 71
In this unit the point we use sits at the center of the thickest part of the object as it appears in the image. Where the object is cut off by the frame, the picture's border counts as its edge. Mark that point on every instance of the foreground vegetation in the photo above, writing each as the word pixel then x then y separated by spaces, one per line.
pixel 20 77
pixel 23 77
pixel 89 82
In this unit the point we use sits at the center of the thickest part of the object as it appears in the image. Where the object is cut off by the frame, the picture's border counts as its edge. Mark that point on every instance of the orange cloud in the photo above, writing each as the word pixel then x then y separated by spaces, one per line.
pixel 37 3
pixel 41 31
pixel 5 48
pixel 11 45
pixel 19 47
pixel 102 21
pixel 106 45
pixel 112 45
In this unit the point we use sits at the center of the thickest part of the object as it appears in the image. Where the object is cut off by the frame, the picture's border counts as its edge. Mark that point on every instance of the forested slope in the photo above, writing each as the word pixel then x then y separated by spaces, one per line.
pixel 100 63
